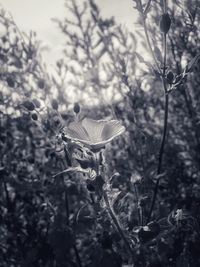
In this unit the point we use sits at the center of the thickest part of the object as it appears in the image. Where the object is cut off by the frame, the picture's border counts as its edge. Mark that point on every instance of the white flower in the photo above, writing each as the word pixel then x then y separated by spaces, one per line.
pixel 95 134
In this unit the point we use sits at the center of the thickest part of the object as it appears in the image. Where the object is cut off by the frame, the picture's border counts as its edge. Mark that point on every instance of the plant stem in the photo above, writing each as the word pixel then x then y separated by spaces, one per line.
pixel 166 103
pixel 138 209
pixel 116 223
pixel 161 152
pixel 66 206
pixel 160 158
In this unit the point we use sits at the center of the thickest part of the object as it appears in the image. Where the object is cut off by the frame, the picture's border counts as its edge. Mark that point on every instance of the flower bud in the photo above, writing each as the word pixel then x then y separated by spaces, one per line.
pixel 54 104
pixel 29 105
pixel 77 108
pixel 34 116
pixel 170 77
pixel 165 23
pixel 41 83
pixel 10 82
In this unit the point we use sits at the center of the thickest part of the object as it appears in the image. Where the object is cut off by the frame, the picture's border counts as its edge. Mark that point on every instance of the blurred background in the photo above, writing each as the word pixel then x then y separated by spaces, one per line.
pixel 37 16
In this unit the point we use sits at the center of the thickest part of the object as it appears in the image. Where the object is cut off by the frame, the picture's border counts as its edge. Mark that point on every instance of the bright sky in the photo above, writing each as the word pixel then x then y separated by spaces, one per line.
pixel 37 14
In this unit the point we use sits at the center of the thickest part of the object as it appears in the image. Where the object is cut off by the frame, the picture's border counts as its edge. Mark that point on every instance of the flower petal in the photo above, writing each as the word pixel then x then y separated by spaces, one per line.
pixel 94 129
pixel 112 129
pixel 76 131
pixel 94 134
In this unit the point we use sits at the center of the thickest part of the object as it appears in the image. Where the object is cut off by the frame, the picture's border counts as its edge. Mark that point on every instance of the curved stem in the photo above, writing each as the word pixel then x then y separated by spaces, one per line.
pixel 116 223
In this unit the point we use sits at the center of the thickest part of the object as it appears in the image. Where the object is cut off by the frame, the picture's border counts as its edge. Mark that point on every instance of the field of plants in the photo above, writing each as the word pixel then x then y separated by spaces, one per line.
pixel 100 158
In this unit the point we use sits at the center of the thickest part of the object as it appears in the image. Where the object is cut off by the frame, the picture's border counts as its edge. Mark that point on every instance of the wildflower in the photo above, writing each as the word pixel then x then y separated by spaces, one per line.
pixel 95 134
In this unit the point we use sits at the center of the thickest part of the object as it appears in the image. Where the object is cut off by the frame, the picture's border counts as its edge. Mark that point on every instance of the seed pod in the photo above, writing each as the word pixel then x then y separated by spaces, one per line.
pixel 41 83
pixel 10 82
pixel 29 105
pixel 170 77
pixel 165 23
pixel 65 116
pixel 34 116
pixel 77 108
pixel 54 104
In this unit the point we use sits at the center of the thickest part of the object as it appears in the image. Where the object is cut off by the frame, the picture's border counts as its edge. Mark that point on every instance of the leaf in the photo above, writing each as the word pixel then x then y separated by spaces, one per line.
pixel 85 217
pixel 74 170
pixel 158 53
pixel 114 196
pixel 191 64
pixel 142 60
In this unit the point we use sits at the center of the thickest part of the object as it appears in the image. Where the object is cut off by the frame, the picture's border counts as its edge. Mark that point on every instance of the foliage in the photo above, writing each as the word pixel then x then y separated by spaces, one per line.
pixel 136 203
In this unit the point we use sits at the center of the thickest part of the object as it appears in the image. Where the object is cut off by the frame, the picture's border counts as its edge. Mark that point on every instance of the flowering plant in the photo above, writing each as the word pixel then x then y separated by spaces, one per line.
pixel 94 134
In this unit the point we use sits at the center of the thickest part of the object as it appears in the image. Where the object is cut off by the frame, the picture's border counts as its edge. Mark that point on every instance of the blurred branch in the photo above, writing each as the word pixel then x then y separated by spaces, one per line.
pixel 147 34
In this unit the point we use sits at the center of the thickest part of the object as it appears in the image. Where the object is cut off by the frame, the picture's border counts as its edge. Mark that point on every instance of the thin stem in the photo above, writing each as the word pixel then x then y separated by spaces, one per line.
pixel 7 195
pixel 164 6
pixel 116 223
pixel 161 152
pixel 138 209
pixel 164 61
pixel 141 215
pixel 67 206
pixel 164 135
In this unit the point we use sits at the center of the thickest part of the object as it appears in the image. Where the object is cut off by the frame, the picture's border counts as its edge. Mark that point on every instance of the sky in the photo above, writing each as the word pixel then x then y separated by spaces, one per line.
pixel 36 15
